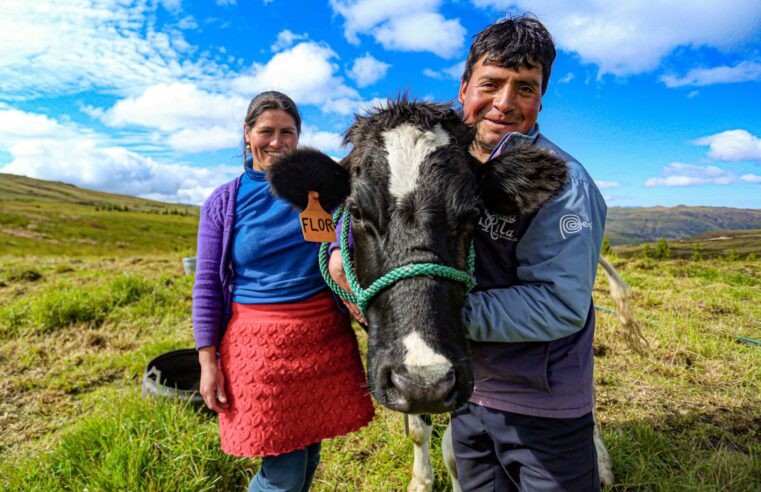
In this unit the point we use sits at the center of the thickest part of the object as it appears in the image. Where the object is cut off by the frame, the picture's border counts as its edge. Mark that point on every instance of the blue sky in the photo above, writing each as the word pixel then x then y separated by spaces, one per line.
pixel 660 101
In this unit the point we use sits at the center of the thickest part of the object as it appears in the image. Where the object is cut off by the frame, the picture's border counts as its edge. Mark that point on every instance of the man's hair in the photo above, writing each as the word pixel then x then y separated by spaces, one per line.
pixel 513 43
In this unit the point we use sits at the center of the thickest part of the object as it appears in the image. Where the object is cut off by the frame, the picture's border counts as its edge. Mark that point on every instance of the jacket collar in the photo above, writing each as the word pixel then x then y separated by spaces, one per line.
pixel 511 139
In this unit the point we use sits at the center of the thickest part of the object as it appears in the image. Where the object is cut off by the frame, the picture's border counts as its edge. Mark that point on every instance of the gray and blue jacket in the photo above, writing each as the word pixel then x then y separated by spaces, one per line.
pixel 530 318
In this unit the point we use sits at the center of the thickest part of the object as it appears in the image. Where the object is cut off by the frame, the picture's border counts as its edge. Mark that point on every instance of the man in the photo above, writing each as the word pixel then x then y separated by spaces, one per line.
pixel 530 320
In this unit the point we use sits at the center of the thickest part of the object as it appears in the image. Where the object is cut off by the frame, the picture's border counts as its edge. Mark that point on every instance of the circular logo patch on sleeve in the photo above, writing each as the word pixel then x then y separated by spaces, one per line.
pixel 571 224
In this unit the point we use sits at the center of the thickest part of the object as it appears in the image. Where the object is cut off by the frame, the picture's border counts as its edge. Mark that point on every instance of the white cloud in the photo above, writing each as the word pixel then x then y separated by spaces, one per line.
pixel 440 36
pixel 187 22
pixel 402 25
pixel 453 72
pixel 679 174
pixel 86 163
pixel 51 48
pixel 285 39
pixel 206 138
pixel 732 146
pixel 367 70
pixel 328 142
pixel 176 106
pixel 347 106
pixel 630 36
pixel 225 3
pixel 305 72
pixel 605 185
pixel 567 78
pixel 750 178
pixel 16 125
pixel 44 148
pixel 194 120
pixel 742 72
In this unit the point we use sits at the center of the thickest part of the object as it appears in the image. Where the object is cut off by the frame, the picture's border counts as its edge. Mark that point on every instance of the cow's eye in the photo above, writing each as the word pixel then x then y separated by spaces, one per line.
pixel 353 210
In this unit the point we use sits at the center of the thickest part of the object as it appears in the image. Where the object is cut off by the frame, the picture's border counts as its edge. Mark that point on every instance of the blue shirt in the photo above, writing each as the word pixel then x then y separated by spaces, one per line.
pixel 271 260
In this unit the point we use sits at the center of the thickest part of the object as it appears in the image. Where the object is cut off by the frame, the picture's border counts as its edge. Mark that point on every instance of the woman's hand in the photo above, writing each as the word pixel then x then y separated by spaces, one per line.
pixel 336 270
pixel 212 386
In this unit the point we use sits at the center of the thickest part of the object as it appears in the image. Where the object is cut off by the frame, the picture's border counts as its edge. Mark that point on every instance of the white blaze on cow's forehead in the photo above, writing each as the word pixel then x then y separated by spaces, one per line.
pixel 420 354
pixel 407 148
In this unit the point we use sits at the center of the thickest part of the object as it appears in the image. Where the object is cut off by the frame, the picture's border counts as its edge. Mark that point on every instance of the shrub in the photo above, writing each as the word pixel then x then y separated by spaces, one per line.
pixel 606 249
pixel 128 289
pixel 647 251
pixel 60 308
pixel 662 250
pixel 697 252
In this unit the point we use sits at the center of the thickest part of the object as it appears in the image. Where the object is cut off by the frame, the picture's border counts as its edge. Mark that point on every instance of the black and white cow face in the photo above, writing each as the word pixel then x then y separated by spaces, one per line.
pixel 413 192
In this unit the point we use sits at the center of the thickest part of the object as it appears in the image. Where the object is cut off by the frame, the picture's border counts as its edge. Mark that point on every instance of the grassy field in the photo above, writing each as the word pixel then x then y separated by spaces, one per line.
pixel 44 218
pixel 718 244
pixel 77 332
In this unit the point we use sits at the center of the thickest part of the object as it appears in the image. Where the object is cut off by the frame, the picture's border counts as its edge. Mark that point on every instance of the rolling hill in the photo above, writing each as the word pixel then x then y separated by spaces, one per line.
pixel 647 224
pixel 40 217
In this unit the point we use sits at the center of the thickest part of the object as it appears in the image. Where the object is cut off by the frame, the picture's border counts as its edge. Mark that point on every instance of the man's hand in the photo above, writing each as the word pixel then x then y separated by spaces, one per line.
pixel 212 386
pixel 336 270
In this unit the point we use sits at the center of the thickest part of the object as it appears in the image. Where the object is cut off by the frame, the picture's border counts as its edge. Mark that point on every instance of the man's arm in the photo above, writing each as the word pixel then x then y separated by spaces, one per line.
pixel 557 262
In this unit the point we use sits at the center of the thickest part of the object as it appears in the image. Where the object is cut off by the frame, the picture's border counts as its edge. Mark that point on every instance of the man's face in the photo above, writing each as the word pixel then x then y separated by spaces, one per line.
pixel 498 100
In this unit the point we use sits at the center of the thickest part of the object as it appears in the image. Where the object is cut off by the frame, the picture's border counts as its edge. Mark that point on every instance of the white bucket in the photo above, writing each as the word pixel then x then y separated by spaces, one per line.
pixel 189 265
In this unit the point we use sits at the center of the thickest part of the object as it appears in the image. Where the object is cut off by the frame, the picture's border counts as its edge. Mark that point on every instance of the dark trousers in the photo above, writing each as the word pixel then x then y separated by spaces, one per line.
pixel 500 451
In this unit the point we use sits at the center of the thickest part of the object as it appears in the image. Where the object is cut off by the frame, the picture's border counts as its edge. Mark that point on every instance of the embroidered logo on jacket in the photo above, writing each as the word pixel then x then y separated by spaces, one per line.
pixel 571 224
pixel 498 226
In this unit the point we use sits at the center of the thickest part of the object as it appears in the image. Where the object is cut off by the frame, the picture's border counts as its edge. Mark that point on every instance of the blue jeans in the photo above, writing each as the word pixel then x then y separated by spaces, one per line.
pixel 289 472
pixel 504 451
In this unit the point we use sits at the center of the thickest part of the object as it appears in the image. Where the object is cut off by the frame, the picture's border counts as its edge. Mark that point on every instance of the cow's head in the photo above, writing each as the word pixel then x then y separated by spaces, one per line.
pixel 414 193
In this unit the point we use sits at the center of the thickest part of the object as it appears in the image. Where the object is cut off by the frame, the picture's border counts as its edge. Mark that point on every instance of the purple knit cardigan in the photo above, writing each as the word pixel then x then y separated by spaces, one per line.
pixel 212 291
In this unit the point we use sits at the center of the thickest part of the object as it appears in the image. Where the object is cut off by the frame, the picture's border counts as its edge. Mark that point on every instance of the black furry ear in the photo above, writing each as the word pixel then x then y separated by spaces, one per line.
pixel 521 180
pixel 303 170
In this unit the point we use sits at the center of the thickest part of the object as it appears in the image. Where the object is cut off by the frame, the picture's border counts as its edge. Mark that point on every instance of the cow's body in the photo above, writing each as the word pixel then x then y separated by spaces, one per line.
pixel 414 191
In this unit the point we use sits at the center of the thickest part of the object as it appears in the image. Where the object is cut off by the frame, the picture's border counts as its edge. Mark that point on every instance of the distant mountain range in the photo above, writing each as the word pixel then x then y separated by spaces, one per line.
pixel 648 224
pixel 32 210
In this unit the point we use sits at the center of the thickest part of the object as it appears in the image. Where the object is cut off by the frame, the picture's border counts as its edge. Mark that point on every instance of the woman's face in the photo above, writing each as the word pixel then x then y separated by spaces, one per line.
pixel 273 133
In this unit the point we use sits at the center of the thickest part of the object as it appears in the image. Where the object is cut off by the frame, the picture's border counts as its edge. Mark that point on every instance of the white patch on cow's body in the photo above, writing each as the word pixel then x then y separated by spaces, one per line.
pixel 419 354
pixel 407 148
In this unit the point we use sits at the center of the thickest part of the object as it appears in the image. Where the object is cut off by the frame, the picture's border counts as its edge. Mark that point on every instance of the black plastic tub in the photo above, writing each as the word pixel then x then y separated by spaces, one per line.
pixel 175 374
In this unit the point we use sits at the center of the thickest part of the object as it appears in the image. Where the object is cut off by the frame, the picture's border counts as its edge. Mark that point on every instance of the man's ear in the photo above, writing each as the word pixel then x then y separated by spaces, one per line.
pixel 461 92
pixel 303 170
pixel 521 180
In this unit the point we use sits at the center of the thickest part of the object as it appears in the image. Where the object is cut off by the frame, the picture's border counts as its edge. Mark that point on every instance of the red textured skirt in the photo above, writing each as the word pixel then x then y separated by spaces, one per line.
pixel 293 377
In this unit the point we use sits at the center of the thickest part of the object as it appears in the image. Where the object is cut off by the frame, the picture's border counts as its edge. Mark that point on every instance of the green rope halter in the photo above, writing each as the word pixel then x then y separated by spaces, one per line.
pixel 361 297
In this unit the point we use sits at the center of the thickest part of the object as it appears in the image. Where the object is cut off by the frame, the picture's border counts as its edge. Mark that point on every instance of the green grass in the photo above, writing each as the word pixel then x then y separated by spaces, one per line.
pixel 41 218
pixel 685 416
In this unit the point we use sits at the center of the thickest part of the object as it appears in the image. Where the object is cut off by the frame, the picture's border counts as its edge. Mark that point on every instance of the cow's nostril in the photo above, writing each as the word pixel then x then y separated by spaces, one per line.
pixel 402 383
pixel 413 386
pixel 444 386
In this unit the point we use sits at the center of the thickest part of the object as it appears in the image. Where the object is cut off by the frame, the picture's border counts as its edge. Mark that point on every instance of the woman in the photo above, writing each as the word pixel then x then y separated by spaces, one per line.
pixel 289 373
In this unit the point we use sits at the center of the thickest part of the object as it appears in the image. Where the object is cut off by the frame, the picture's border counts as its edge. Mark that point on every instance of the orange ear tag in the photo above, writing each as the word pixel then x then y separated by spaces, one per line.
pixel 316 224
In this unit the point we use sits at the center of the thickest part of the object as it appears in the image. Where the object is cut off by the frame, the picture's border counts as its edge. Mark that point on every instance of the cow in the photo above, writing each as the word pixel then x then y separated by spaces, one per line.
pixel 414 193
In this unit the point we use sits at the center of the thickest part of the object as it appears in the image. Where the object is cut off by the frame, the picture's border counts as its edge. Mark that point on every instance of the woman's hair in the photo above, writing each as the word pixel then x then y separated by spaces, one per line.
pixel 263 102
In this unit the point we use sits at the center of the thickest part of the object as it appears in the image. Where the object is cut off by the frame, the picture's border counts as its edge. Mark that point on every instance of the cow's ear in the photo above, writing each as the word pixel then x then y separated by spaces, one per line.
pixel 521 180
pixel 303 170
